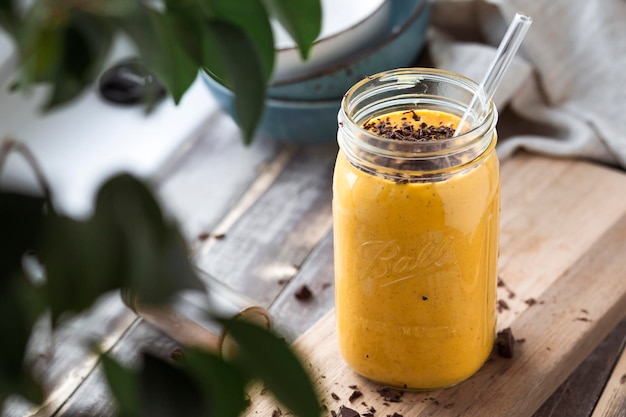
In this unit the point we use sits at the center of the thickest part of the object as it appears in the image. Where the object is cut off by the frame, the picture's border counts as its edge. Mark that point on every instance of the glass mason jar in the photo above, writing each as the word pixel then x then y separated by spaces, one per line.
pixel 415 235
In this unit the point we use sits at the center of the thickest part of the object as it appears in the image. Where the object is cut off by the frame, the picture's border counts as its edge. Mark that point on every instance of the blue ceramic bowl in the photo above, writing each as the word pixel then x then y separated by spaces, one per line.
pixel 345 30
pixel 400 48
pixel 305 112
pixel 289 121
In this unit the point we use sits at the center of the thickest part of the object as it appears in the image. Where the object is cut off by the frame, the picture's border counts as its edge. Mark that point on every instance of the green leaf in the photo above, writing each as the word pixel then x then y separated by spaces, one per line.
pixel 127 243
pixel 168 391
pixel 41 49
pixel 125 386
pixel 82 261
pixel 108 8
pixel 21 304
pixel 251 18
pixel 65 51
pixel 220 381
pixel 302 19
pixel 85 45
pixel 155 35
pixel 190 29
pixel 246 73
pixel 154 254
pixel 235 47
pixel 270 358
pixel 9 18
pixel 21 219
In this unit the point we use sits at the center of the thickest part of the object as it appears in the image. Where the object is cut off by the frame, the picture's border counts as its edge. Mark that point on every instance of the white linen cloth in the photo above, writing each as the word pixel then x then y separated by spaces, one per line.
pixel 565 94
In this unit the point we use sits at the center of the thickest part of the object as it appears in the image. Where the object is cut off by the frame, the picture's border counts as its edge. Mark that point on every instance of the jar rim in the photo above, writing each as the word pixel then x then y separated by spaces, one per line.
pixel 411 77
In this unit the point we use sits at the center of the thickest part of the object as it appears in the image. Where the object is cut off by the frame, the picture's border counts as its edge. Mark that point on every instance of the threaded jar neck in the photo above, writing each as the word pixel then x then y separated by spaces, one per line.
pixel 413 89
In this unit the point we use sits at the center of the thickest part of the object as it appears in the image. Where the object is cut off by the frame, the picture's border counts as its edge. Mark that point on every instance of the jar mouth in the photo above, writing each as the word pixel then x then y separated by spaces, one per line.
pixel 410 89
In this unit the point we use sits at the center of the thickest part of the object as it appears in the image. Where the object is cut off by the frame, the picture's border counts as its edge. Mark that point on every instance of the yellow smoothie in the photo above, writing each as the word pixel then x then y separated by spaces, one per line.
pixel 415 269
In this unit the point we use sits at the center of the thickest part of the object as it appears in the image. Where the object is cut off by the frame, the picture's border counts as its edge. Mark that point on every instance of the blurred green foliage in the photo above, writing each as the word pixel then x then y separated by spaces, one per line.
pixel 128 243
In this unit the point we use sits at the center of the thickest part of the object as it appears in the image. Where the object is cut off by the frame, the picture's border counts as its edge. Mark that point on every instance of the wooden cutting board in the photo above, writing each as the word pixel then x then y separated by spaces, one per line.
pixel 562 272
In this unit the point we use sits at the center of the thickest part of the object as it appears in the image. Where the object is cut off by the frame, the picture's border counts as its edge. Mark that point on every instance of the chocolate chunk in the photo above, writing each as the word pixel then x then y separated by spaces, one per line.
pixel 348 412
pixel 355 394
pixel 530 301
pixel 277 413
pixel 505 343
pixel 407 131
pixel 177 355
pixel 335 396
pixel 391 395
pixel 502 305
pixel 304 293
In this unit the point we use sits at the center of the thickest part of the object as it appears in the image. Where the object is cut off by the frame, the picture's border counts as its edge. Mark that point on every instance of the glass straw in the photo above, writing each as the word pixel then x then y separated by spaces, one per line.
pixel 506 51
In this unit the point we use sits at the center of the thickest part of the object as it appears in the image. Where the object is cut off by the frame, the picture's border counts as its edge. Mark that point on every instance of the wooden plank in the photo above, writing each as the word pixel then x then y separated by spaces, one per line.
pixel 613 400
pixel 558 200
pixel 267 245
pixel 578 395
pixel 293 316
pixel 211 175
pixel 63 362
pixel 574 310
pixel 93 398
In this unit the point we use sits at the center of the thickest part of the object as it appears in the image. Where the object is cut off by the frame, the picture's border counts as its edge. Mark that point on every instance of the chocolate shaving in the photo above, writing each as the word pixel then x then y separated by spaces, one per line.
pixel 391 395
pixel 177 355
pixel 502 305
pixel 348 412
pixel 407 131
pixel 355 395
pixel 530 301
pixel 505 343
pixel 304 293
pixel 335 396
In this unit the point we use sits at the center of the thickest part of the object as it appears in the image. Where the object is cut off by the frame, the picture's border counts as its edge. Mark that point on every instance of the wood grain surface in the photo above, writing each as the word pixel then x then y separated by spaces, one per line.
pixel 613 400
pixel 579 394
pixel 265 230
pixel 562 268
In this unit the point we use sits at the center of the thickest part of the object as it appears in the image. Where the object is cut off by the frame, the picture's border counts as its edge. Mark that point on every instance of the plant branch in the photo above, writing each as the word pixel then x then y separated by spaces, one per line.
pixel 13 145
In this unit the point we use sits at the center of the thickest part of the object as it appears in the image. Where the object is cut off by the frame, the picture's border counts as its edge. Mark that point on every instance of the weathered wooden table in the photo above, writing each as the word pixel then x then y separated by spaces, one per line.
pixel 259 219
